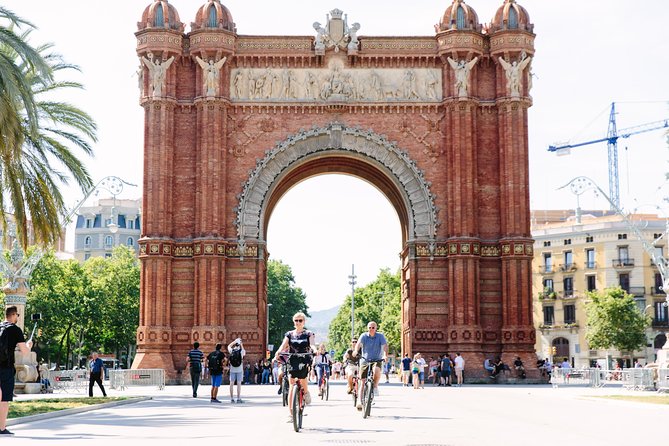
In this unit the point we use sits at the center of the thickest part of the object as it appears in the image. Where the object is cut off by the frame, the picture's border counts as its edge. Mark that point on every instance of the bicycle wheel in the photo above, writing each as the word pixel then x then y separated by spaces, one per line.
pixel 302 403
pixel 321 387
pixel 354 393
pixel 285 389
pixel 327 389
pixel 369 396
pixel 295 408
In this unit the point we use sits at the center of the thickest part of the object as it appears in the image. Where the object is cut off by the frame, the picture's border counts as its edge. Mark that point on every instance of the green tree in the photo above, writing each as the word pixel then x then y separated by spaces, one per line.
pixel 286 300
pixel 377 301
pixel 38 136
pixel 115 286
pixel 614 320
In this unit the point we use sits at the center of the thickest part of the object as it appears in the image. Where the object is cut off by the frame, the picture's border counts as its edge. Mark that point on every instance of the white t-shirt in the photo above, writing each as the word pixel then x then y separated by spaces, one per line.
pixel 459 362
pixel 240 368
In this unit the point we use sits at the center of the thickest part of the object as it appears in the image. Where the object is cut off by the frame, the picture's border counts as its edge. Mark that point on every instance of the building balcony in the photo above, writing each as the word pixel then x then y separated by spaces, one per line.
pixel 590 265
pixel 623 263
pixel 573 326
pixel 659 323
pixel 568 267
pixel 547 295
pixel 546 269
pixel 637 291
pixel 567 294
pixel 657 291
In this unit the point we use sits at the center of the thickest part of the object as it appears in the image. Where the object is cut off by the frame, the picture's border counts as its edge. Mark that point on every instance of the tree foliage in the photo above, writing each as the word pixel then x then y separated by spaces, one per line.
pixel 377 301
pixel 286 300
pixel 94 306
pixel 614 320
pixel 37 134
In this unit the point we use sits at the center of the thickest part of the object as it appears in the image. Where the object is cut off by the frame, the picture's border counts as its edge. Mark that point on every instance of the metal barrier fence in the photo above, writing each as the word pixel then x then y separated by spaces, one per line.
pixel 120 379
pixel 68 380
pixel 561 377
pixel 634 379
pixel 638 379
pixel 663 380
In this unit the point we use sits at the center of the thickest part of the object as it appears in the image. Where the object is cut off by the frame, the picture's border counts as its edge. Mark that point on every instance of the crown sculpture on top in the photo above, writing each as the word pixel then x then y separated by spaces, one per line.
pixel 336 34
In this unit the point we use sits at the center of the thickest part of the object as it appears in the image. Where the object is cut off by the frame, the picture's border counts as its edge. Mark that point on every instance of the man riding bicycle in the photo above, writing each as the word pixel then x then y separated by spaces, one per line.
pixel 351 364
pixel 374 351
pixel 322 364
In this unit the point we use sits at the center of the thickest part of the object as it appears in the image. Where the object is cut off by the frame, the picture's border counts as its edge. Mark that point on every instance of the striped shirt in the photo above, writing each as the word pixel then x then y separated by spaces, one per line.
pixel 195 356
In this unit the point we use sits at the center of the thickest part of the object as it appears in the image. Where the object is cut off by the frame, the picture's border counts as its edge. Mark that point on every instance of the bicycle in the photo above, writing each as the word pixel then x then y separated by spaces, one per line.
pixel 367 396
pixel 285 384
pixel 354 387
pixel 324 383
pixel 297 402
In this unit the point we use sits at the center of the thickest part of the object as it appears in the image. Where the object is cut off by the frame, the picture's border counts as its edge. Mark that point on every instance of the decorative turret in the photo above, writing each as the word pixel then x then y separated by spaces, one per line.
pixel 160 14
pixel 512 48
pixel 459 16
pixel 511 16
pixel 461 44
pixel 214 15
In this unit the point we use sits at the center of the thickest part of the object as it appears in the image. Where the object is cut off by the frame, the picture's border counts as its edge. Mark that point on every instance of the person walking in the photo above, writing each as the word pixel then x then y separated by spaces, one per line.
pixel 194 361
pixel 459 368
pixel 406 370
pixel 418 371
pixel 12 336
pixel 446 366
pixel 237 353
pixel 215 365
pixel 97 368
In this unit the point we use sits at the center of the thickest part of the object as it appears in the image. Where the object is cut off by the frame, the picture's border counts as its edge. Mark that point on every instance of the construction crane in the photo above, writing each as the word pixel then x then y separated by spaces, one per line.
pixel 611 139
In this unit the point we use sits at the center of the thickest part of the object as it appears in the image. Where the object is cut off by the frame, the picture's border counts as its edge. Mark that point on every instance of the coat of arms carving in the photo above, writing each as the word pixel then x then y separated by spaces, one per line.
pixel 336 34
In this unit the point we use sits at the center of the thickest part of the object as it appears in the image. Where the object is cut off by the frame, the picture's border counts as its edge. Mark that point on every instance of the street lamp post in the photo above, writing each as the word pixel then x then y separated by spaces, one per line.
pixel 267 336
pixel 578 186
pixel 352 282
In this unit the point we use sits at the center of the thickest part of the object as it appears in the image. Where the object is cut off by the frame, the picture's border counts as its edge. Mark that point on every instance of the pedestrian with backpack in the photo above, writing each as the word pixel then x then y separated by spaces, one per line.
pixel 215 364
pixel 237 353
pixel 194 360
pixel 11 336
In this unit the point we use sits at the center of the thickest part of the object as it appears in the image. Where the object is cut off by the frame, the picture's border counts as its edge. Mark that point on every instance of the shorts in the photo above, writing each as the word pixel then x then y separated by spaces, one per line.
pixel 298 366
pixel 365 365
pixel 351 369
pixel 458 373
pixel 7 383
pixel 445 373
pixel 235 376
pixel 216 380
pixel 421 376
pixel 406 373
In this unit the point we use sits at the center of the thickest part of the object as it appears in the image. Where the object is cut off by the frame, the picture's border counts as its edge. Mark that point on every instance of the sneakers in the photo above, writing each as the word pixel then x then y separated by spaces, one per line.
pixel 215 400
pixel 320 393
pixel 6 432
pixel 239 401
pixel 359 406
pixel 307 398
pixel 279 391
pixel 232 400
pixel 194 395
pixel 376 391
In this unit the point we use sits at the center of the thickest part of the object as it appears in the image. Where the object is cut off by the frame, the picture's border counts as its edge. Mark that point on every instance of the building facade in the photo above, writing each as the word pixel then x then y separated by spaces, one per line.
pixel 438 123
pixel 107 224
pixel 572 258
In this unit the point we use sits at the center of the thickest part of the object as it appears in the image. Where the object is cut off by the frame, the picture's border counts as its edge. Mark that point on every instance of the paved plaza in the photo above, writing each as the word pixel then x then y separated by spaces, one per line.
pixel 457 416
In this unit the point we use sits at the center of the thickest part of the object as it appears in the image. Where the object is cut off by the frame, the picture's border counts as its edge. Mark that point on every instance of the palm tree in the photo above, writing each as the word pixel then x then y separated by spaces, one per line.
pixel 41 142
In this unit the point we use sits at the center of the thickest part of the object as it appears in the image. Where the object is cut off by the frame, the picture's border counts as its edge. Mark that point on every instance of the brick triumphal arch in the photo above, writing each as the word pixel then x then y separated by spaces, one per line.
pixel 437 123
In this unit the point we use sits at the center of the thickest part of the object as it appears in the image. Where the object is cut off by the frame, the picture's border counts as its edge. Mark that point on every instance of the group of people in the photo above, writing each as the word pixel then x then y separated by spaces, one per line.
pixel 216 361
pixel 444 370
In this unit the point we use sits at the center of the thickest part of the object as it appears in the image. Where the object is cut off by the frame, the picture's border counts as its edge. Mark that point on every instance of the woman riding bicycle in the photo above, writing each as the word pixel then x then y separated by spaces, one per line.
pixel 298 341
pixel 322 363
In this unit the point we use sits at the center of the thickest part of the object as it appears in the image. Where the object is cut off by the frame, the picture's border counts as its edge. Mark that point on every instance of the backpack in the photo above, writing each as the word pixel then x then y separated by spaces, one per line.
pixel 214 362
pixel 4 345
pixel 236 357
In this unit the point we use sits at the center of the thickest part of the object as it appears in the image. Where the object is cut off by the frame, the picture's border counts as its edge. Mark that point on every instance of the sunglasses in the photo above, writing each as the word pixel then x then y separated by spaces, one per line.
pixel 298 320
pixel 371 328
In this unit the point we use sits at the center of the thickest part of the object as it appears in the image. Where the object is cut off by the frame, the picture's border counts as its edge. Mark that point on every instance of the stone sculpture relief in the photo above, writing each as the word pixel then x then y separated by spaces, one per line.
pixel 336 83
pixel 158 72
pixel 462 70
pixel 513 72
pixel 211 74
pixel 336 34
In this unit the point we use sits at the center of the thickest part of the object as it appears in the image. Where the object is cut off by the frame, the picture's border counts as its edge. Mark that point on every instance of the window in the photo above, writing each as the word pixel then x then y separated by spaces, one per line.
pixel 89 223
pixel 624 282
pixel 213 23
pixel 661 312
pixel 159 20
pixel 109 241
pixel 461 21
pixel 590 258
pixel 548 262
pixel 568 286
pixel 567 241
pixel 623 253
pixel 640 304
pixel 131 224
pixel 568 260
pixel 659 254
pixel 548 285
pixel 87 242
pixel 589 239
pixel 656 236
pixel 622 236
pixel 108 221
pixel 87 256
pixel 570 314
pixel 130 242
pixel 549 315
pixel 513 18
pixel 108 255
pixel 547 244
pixel 657 289
pixel 591 283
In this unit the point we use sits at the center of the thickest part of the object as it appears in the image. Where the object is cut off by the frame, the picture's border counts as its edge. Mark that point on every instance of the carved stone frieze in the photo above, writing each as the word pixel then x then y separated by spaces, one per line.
pixel 336 84
pixel 336 137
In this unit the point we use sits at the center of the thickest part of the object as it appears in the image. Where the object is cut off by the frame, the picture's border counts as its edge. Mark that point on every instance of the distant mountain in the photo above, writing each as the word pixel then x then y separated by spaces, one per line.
pixel 319 322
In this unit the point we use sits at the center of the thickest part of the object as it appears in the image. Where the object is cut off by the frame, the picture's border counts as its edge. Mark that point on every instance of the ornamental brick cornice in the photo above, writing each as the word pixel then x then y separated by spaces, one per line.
pixel 512 42
pixel 212 40
pixel 297 45
pixel 468 42
pixel 159 40
pixel 198 248
pixel 517 248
